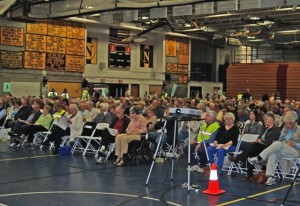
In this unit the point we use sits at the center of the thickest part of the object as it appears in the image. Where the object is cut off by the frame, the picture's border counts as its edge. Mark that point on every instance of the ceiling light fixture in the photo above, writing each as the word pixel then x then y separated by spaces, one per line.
pixel 83 20
pixel 218 15
pixel 254 18
pixel 288 31
pixel 288 9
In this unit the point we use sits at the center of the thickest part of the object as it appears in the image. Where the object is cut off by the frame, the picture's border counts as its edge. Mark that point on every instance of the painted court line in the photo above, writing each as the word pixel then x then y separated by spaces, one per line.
pixel 256 195
pixel 82 192
pixel 23 158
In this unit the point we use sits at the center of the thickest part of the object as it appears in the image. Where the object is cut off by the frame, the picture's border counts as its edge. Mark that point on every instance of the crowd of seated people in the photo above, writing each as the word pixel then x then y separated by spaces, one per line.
pixel 131 116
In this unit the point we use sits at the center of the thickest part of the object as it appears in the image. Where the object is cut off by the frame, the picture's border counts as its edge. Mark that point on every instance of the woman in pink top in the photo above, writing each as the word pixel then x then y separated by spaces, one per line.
pixel 137 126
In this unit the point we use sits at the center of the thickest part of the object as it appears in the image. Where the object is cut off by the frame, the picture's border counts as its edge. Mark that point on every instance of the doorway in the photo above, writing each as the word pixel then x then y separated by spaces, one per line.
pixel 117 90
pixel 135 90
pixel 196 92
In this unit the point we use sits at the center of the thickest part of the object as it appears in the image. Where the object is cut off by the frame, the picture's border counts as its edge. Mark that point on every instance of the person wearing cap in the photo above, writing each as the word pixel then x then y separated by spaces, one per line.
pixel 270 134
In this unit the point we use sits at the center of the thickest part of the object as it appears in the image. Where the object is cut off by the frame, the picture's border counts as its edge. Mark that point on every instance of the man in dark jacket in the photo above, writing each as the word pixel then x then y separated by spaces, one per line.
pixel 23 113
pixel 21 125
pixel 120 124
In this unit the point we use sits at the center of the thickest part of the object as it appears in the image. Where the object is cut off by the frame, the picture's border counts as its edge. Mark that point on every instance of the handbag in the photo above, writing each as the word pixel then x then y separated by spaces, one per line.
pixel 260 177
pixel 65 150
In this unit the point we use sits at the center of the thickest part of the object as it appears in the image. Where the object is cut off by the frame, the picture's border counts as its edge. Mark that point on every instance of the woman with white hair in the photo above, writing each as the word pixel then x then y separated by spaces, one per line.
pixel 69 124
pixel 288 146
pixel 105 116
pixel 225 141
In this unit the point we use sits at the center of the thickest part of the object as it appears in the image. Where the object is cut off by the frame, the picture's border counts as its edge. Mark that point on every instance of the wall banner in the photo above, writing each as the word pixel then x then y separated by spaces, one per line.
pixel 91 50
pixel 146 55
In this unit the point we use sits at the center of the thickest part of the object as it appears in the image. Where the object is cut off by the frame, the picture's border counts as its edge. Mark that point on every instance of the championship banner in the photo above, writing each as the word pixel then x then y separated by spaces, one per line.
pixel 182 79
pixel 146 56
pixel 183 51
pixel 171 47
pixel 91 50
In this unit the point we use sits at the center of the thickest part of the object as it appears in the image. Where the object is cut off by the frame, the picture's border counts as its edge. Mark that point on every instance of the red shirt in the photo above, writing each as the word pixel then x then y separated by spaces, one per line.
pixel 119 124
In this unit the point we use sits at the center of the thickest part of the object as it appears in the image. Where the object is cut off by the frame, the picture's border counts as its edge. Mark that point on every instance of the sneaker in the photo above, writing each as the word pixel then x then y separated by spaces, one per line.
pixel 13 145
pixel 270 181
pixel 101 160
pixel 43 146
pixel 102 151
pixel 200 170
pixel 253 160
pixel 194 168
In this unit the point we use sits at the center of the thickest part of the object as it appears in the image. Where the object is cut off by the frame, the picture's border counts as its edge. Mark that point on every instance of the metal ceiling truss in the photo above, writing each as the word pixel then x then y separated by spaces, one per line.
pixel 236 24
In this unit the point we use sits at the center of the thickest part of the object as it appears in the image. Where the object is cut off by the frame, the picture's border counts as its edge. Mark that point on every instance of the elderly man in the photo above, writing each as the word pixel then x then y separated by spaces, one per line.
pixel 159 112
pixel 92 112
pixel 209 126
pixel 288 146
pixel 119 123
pixel 270 134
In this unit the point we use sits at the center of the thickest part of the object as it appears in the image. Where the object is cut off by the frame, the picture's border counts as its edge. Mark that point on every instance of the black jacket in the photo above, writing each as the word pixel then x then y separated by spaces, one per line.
pixel 36 117
pixel 23 113
pixel 271 135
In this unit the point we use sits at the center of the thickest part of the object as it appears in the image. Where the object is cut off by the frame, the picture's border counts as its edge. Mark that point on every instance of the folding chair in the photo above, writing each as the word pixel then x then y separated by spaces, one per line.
pixel 295 164
pixel 40 137
pixel 3 130
pixel 93 142
pixel 87 130
pixel 111 147
pixel 242 138
pixel 84 142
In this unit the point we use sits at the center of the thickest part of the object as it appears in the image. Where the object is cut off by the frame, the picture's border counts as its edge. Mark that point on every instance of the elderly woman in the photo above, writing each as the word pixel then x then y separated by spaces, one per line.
pixel 225 141
pixel 105 116
pixel 69 124
pixel 288 146
pixel 41 125
pixel 137 126
pixel 151 118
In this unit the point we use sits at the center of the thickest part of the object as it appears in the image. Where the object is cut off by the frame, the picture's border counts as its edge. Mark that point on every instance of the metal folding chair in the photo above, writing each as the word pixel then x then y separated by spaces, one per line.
pixel 242 138
pixel 3 130
pixel 292 170
pixel 40 137
pixel 89 143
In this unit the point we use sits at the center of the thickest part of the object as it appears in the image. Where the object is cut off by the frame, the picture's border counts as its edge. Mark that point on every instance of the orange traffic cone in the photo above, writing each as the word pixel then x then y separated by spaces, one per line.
pixel 213 185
